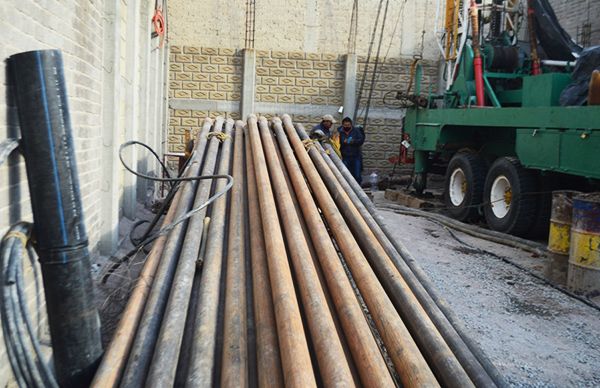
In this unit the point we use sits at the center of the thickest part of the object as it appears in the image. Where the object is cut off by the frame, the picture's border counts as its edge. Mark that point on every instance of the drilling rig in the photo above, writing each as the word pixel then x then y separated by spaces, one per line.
pixel 512 122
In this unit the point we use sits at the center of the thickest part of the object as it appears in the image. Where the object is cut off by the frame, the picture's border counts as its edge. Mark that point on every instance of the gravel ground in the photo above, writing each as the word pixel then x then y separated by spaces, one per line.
pixel 536 335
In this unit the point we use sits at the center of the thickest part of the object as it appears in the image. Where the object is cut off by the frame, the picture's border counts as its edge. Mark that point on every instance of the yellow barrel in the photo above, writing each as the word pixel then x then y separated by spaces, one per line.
pixel 560 221
pixel 584 255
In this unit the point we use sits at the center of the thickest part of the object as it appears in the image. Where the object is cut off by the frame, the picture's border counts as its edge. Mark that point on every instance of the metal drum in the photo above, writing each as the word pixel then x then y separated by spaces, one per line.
pixel 560 221
pixel 584 255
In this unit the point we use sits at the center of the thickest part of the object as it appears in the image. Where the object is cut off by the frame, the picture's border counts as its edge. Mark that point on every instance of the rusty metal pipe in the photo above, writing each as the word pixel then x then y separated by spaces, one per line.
pixel 470 363
pixel 201 369
pixel 369 361
pixel 149 325
pixel 114 359
pixel 328 347
pixel 166 351
pixel 315 260
pixel 433 346
pixel 267 349
pixel 407 359
pixel 295 358
pixel 234 365
pixel 408 264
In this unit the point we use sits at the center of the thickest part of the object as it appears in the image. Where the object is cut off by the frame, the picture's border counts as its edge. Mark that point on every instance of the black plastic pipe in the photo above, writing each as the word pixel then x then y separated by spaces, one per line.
pixel 61 238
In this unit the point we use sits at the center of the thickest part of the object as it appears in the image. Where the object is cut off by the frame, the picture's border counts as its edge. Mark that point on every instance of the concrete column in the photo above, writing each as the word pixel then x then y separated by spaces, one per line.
pixel 132 106
pixel 248 83
pixel 350 85
pixel 109 225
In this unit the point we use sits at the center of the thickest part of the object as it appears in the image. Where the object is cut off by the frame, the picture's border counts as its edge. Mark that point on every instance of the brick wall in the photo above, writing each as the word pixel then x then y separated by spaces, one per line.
pixel 81 30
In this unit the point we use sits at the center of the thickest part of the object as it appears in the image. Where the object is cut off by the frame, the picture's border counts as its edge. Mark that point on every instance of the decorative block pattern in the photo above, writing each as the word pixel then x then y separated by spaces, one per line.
pixel 212 73
pixel 307 78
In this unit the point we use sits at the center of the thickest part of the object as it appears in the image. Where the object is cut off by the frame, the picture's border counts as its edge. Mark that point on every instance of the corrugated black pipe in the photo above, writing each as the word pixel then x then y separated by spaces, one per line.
pixel 59 230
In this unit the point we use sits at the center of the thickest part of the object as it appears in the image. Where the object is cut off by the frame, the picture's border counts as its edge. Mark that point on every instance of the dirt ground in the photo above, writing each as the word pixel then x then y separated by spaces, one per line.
pixel 536 335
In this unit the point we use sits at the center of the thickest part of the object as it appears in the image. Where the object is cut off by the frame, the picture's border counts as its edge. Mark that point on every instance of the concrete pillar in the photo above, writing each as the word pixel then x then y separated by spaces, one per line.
pixel 109 225
pixel 350 85
pixel 132 106
pixel 248 83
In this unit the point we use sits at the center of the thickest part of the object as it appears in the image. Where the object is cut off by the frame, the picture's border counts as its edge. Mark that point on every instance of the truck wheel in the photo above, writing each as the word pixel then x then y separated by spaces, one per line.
pixel 463 192
pixel 509 205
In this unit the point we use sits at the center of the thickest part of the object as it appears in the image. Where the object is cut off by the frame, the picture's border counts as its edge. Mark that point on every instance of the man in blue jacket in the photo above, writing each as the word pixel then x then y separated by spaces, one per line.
pixel 351 140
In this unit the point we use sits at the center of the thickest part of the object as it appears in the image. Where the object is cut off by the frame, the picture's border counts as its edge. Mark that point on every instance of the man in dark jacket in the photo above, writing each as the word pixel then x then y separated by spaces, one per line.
pixel 322 131
pixel 351 140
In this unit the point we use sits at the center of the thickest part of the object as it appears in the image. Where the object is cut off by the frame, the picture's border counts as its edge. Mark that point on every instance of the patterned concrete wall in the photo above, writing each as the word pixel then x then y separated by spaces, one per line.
pixel 309 82
pixel 301 78
pixel 205 73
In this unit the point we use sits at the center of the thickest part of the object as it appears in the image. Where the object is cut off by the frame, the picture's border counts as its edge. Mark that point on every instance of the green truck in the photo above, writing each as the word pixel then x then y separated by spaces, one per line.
pixel 506 146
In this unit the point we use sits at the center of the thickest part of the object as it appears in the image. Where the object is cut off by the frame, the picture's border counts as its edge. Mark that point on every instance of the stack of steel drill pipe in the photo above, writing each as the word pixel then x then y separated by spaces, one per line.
pixel 467 359
pixel 430 341
pixel 368 359
pixel 164 362
pixel 450 326
pixel 148 330
pixel 407 359
pixel 295 357
pixel 293 257
pixel 267 349
pixel 314 257
pixel 202 368
pixel 113 362
pixel 333 366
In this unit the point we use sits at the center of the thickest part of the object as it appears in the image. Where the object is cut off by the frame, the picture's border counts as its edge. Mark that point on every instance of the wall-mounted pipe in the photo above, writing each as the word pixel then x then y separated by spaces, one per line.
pixel 61 238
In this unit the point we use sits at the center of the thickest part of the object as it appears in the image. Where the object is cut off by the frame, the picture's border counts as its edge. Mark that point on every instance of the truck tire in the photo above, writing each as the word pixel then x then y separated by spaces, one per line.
pixel 463 191
pixel 509 205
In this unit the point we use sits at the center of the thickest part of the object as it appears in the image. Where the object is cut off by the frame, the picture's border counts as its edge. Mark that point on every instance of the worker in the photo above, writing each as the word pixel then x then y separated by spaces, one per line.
pixel 351 141
pixel 322 131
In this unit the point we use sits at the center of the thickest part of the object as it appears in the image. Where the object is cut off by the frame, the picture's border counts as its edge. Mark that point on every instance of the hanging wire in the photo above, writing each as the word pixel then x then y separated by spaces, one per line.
pixel 353 29
pixel 364 77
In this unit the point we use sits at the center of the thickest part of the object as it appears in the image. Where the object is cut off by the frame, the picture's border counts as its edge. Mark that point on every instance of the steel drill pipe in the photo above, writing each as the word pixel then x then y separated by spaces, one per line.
pixel 315 260
pixel 202 371
pixel 111 367
pixel 433 346
pixel 333 366
pixel 166 351
pixel 267 349
pixel 149 326
pixel 421 276
pixel 405 355
pixel 295 358
pixel 368 359
pixel 234 365
pixel 466 358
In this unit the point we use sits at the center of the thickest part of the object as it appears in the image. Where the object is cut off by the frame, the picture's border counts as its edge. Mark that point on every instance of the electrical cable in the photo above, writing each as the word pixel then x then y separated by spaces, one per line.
pixel 165 229
pixel 7 147
pixel 22 343
pixel 364 77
